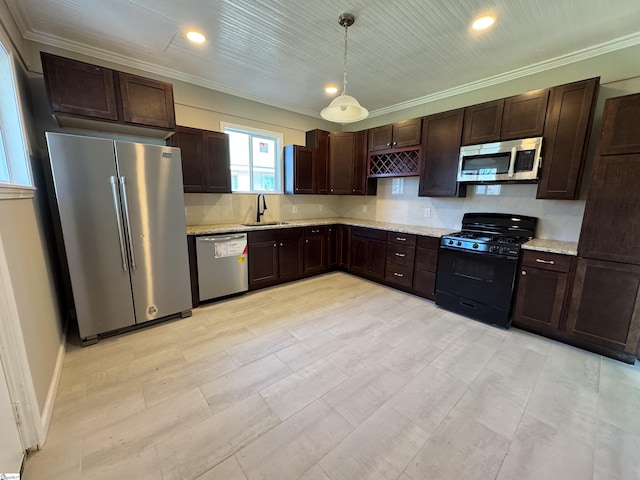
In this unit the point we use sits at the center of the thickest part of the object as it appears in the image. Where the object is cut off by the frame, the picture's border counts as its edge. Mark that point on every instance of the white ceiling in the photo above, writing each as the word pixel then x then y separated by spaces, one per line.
pixel 283 52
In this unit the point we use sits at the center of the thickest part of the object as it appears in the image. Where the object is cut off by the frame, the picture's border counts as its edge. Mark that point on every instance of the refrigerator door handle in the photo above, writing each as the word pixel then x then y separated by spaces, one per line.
pixel 127 218
pixel 116 208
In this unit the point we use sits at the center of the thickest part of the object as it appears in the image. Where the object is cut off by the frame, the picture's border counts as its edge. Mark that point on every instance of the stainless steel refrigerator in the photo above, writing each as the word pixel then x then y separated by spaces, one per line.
pixel 121 209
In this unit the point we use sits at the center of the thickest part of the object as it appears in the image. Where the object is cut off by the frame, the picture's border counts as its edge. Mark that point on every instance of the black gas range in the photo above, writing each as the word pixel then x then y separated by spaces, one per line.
pixel 477 266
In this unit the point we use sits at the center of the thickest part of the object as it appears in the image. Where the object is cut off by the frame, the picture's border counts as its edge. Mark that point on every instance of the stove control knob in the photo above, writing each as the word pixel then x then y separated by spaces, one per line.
pixel 458 243
pixel 450 242
pixel 475 245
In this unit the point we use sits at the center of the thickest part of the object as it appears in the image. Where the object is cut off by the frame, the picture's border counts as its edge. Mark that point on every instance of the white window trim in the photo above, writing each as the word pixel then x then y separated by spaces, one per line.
pixel 16 190
pixel 280 137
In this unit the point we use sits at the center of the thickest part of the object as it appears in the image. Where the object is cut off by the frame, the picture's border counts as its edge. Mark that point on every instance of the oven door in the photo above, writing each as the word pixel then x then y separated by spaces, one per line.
pixel 484 278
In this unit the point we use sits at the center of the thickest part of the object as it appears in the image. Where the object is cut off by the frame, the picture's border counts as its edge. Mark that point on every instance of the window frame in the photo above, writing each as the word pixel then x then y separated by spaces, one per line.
pixel 15 155
pixel 279 167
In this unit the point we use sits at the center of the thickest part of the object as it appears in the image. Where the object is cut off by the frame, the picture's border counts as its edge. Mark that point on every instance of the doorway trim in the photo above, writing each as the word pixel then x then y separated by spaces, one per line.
pixel 13 356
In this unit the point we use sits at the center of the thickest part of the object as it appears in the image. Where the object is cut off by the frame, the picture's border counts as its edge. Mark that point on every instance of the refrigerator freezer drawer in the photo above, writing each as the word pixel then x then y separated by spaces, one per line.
pixel 222 265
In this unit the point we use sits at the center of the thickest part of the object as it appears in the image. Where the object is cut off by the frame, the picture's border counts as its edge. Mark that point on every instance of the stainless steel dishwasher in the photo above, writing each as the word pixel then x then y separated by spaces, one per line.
pixel 222 265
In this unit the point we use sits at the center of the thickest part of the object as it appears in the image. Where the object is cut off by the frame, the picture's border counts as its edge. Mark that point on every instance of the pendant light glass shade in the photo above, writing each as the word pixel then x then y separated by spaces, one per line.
pixel 345 108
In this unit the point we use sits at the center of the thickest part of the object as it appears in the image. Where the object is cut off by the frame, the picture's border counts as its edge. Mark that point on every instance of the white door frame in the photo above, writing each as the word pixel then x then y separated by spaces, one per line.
pixel 13 356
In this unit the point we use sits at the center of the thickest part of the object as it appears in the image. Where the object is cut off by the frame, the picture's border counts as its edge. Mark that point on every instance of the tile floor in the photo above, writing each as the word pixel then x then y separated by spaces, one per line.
pixel 336 377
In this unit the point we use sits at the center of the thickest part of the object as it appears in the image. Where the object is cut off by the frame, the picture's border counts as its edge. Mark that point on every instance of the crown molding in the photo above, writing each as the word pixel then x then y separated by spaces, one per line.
pixel 573 57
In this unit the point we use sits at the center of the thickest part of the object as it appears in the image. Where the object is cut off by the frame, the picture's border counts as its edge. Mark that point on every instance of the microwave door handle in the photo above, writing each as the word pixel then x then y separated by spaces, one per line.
pixel 512 162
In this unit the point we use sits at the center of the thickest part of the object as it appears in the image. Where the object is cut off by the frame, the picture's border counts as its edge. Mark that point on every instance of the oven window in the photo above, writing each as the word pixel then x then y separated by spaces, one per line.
pixel 468 268
pixel 486 164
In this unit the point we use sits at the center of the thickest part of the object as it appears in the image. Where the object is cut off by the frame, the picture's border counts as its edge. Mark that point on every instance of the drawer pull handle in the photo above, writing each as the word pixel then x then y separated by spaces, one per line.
pixel 398 274
pixel 315 231
pixel 401 254
pixel 401 239
pixel 547 262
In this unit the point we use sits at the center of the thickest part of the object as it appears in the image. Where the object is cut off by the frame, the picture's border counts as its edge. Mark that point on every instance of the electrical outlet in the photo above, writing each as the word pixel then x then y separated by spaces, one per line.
pixel 427 212
pixel 321 207
pixel 364 209
pixel 294 209
pixel 493 189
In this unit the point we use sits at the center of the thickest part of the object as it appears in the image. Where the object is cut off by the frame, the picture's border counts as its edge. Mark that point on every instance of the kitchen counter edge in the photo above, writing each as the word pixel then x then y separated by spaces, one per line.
pixel 552 246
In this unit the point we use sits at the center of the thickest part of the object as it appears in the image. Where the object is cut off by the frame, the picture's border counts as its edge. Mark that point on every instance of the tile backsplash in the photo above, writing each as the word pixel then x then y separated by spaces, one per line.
pixel 558 219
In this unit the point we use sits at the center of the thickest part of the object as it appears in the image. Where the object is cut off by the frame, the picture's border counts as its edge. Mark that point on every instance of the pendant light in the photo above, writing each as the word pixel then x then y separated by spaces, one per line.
pixel 345 108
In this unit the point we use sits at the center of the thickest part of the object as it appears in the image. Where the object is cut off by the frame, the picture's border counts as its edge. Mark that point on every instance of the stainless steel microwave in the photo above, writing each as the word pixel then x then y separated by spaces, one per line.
pixel 513 160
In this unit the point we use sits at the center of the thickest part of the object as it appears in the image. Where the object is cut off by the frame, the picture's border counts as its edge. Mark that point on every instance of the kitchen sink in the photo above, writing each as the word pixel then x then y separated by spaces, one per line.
pixel 263 224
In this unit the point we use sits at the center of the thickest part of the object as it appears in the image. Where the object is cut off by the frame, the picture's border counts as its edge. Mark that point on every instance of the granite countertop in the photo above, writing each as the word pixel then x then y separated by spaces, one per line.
pixel 539 244
pixel 354 222
pixel 552 246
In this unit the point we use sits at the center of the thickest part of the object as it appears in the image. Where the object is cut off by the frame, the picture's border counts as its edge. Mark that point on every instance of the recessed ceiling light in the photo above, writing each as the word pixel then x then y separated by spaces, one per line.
pixel 483 22
pixel 195 37
pixel 331 89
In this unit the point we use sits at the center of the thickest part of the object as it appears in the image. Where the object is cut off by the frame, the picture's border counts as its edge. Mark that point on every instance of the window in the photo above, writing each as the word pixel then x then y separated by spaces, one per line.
pixel 15 174
pixel 256 159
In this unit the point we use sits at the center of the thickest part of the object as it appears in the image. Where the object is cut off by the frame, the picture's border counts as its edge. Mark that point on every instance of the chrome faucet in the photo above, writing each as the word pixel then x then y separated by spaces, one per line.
pixel 264 207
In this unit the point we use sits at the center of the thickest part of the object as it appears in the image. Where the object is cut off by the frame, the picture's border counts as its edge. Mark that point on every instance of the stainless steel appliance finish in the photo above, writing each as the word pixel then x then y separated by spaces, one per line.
pixel 222 265
pixel 477 267
pixel 121 210
pixel 509 161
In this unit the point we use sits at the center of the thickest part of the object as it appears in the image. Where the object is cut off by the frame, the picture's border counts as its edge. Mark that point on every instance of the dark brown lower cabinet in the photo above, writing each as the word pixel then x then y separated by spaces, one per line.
pixel 275 256
pixel 424 274
pixel 541 296
pixel 401 251
pixel 605 308
pixel 315 250
pixel 368 247
pixel 343 246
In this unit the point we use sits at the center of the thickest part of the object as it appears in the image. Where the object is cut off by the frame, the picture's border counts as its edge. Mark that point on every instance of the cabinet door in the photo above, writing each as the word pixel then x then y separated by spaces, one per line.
pixel 610 227
pixel 315 254
pixel 620 133
pixel 540 299
pixel 304 170
pixel 319 139
pixel 482 122
pixel 332 247
pixel 359 255
pixel 341 162
pixel 377 258
pixel 407 133
pixel 380 138
pixel 605 309
pixel 290 258
pixel 566 139
pixel 524 115
pixel 263 263
pixel 217 162
pixel 146 101
pixel 361 184
pixel 440 155
pixel 79 88
pixel 343 246
pixel 190 143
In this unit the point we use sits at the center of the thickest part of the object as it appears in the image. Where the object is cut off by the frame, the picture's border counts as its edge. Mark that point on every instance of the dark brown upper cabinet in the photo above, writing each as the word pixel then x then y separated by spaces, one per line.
pixel 81 92
pixel 520 116
pixel 441 134
pixel 205 160
pixel 78 88
pixel 146 101
pixel 348 164
pixel 319 139
pixel 300 172
pixel 397 135
pixel 567 131
pixel 619 133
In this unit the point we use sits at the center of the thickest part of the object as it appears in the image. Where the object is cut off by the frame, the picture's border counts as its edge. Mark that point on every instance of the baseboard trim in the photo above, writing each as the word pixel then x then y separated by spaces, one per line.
pixel 47 411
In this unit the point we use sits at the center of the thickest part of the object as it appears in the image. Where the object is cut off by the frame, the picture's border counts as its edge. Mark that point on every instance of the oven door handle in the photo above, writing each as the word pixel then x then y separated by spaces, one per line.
pixel 512 161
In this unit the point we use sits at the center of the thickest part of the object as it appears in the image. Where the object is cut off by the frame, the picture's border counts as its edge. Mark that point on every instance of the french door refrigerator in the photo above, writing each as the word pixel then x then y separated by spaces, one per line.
pixel 121 209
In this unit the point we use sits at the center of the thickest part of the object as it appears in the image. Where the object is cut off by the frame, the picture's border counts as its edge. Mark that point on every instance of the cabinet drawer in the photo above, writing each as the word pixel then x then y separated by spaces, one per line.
pixel 432 243
pixel 401 238
pixel 400 254
pixel 426 259
pixel 399 274
pixel 369 233
pixel 274 234
pixel 547 261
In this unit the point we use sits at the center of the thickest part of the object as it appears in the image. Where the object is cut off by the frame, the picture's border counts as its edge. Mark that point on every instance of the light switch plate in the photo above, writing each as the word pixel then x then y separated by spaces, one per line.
pixel 427 212
pixel 364 209
pixel 294 209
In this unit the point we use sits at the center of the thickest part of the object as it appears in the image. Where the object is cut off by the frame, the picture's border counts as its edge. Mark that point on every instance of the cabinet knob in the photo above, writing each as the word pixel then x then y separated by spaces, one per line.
pixel 354 189
pixel 281 244
pixel 524 272
pixel 388 144
pixel 275 245
pixel 395 143
pixel 306 241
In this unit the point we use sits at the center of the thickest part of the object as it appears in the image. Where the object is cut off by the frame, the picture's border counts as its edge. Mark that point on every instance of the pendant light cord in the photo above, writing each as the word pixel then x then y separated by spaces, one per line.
pixel 344 85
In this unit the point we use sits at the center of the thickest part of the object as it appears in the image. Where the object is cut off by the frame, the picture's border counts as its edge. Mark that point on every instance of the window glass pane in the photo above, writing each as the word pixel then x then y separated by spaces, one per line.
pixel 4 171
pixel 264 164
